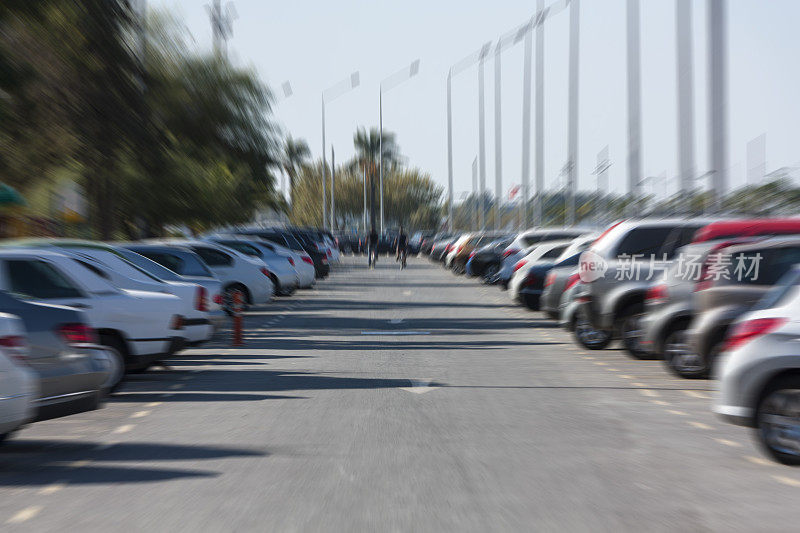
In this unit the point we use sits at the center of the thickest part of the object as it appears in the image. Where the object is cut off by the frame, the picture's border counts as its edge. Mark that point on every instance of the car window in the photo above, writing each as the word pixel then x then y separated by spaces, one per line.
pixel 168 261
pixel 785 288
pixel 37 279
pixel 554 253
pixel 242 247
pixel 213 257
pixel 768 266
pixel 643 241
pixel 149 266
pixel 94 268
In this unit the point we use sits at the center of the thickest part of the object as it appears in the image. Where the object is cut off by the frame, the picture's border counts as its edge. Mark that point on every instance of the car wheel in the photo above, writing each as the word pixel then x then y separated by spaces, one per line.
pixel 778 420
pixel 116 346
pixel 589 337
pixel 631 333
pixel 117 371
pixel 680 359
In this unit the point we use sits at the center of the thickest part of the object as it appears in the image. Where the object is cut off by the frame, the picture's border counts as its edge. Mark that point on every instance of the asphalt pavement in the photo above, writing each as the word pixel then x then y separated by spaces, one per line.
pixel 403 401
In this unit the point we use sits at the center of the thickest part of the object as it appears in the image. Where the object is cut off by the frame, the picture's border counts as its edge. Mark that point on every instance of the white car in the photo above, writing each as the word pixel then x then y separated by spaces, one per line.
pixel 303 264
pixel 759 371
pixel 281 266
pixel 236 271
pixel 456 247
pixel 19 384
pixel 547 251
pixel 143 326
pixel 521 246
pixel 111 265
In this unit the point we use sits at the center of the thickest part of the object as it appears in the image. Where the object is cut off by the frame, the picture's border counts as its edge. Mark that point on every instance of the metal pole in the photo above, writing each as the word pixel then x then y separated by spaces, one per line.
pixel 449 154
pixel 634 104
pixel 481 144
pixel 333 188
pixel 380 149
pixel 685 77
pixel 539 131
pixel 572 162
pixel 718 98
pixel 498 143
pixel 475 189
pixel 365 199
pixel 526 128
pixel 324 169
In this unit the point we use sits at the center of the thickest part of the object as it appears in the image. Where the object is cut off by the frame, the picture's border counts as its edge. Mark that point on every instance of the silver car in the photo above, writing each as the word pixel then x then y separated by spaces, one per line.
pixel 759 371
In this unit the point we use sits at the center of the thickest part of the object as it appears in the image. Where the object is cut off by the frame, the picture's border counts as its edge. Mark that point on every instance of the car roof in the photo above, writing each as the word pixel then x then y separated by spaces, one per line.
pixel 746 227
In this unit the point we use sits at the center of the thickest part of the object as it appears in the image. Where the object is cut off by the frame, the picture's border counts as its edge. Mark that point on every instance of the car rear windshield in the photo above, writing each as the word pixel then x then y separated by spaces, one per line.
pixel 644 241
pixel 757 267
pixel 213 257
pixel 37 279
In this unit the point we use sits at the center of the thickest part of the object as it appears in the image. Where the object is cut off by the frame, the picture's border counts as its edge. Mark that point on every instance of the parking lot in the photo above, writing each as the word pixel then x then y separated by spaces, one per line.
pixel 404 400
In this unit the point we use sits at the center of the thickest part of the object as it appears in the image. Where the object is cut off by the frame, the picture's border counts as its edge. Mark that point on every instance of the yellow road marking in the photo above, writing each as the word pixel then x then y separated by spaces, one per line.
pixel 25 515
pixel 758 460
pixel 695 394
pixel 123 429
pixel 637 384
pixel 727 442
pixel 153 404
pixel 140 414
pixel 52 488
pixel 626 376
pixel 660 402
pixel 612 369
pixel 679 413
pixel 600 363
pixel 648 392
pixel 78 464
pixel 787 481
pixel 700 425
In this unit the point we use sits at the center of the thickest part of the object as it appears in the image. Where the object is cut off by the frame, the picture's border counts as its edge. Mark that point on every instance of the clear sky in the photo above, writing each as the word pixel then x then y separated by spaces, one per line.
pixel 316 43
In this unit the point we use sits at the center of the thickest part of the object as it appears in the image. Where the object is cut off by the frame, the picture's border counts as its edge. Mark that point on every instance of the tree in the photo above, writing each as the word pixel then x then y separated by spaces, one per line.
pixel 296 155
pixel 368 150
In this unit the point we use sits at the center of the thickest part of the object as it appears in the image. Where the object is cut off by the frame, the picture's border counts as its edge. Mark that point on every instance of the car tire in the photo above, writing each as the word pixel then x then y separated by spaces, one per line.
pixel 118 346
pixel 778 407
pixel 630 332
pixel 679 360
pixel 490 272
pixel 118 372
pixel 587 336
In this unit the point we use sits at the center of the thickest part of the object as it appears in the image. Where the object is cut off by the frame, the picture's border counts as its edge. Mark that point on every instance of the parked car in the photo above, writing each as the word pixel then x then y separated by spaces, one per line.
pixel 143 326
pixel 287 238
pixel 111 265
pixel 526 283
pixel 633 252
pixel 485 261
pixel 726 295
pixel 189 266
pixel 521 246
pixel 759 371
pixel 533 276
pixel 236 271
pixel 281 267
pixel 19 384
pixel 441 248
pixel 459 253
pixel 74 372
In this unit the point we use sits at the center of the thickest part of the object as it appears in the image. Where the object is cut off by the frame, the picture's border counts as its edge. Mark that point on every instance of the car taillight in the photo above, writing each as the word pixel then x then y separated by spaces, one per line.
pixel 176 322
pixel 447 248
pixel 750 329
pixel 656 293
pixel 291 260
pixel 307 259
pixel 218 299
pixel 77 333
pixel 521 263
pixel 471 255
pixel 551 277
pixel 200 299
pixel 16 347
pixel 510 251
pixel 572 281
pixel 265 271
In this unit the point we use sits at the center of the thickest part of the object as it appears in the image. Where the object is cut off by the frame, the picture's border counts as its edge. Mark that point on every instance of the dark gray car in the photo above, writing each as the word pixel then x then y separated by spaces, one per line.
pixel 72 370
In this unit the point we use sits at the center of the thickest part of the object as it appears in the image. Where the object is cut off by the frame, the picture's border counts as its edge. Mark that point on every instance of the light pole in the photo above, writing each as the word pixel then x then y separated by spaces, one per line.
pixel 459 67
pixel 685 82
pixel 634 102
pixel 601 171
pixel 390 83
pixel 475 186
pixel 328 95
pixel 572 135
pixel 718 97
pixel 333 188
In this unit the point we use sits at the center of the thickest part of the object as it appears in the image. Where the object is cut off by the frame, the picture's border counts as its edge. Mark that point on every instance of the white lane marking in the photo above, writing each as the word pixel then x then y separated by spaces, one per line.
pixel 419 386
pixel 396 321
pixel 52 488
pixel 24 515
pixel 695 394
pixel 600 363
pixel 140 414
pixel 123 429
pixel 648 392
pixel 700 425
pixel 153 404
pixel 660 402
pixel 787 481
pixel 395 332
pixel 637 384
pixel 727 442
pixel 78 464
pixel 758 460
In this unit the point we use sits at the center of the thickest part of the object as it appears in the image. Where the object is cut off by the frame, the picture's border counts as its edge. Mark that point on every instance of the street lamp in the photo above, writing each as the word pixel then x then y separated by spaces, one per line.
pixel 459 67
pixel 328 95
pixel 390 83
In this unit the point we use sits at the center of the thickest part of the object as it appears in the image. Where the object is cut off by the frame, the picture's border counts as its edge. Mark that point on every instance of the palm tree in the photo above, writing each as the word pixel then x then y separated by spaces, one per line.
pixel 368 150
pixel 296 155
